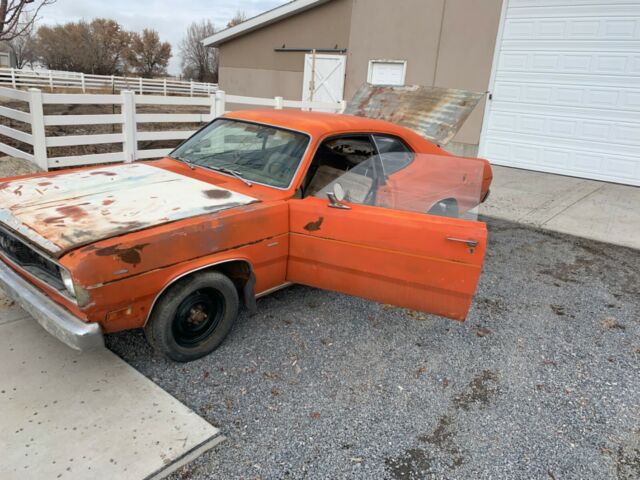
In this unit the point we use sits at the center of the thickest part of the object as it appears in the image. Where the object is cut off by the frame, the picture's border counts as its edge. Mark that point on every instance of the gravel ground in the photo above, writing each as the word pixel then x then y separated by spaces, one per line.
pixel 542 381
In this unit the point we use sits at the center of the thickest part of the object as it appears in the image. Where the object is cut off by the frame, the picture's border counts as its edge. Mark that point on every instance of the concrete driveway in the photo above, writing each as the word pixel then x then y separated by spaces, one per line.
pixel 601 211
pixel 76 416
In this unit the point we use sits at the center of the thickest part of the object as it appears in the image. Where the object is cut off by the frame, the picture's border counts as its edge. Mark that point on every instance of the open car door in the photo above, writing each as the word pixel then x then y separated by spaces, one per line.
pixel 375 239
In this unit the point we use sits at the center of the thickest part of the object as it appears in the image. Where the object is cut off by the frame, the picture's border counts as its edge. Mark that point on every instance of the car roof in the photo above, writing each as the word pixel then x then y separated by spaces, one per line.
pixel 317 123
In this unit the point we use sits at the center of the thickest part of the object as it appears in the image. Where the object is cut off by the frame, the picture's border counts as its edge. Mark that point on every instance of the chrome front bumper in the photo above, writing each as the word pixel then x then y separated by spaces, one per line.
pixel 54 318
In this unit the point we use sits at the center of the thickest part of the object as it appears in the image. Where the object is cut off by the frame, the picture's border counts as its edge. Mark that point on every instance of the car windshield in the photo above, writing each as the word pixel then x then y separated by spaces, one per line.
pixel 252 152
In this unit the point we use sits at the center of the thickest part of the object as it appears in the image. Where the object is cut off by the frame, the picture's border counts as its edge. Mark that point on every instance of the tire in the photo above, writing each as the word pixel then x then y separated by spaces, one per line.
pixel 193 316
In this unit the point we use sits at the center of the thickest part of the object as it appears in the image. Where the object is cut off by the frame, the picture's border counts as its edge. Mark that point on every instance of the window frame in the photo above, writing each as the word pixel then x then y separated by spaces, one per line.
pixel 388 61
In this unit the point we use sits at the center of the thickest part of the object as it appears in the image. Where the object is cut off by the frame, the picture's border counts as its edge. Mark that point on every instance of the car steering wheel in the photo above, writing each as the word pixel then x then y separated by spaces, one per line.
pixel 277 168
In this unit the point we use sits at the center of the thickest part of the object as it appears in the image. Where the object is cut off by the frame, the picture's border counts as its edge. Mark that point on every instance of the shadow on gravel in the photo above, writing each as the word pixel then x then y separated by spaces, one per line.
pixel 541 381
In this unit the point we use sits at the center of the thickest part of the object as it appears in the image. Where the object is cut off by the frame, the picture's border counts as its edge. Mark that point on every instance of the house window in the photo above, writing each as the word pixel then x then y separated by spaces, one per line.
pixel 387 72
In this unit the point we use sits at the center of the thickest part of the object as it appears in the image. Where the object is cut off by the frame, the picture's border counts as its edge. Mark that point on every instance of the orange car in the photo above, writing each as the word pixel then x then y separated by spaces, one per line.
pixel 252 202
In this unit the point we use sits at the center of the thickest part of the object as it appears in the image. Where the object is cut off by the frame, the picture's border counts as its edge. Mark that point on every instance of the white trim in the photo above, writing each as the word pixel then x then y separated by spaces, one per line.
pixel 262 20
pixel 372 62
pixel 492 78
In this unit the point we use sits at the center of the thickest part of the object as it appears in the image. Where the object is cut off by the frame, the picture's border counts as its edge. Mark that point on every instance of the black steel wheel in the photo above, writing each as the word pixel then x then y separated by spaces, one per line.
pixel 193 316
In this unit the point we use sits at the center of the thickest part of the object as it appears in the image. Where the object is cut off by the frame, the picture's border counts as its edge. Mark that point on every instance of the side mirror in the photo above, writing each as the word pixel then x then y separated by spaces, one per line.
pixel 336 197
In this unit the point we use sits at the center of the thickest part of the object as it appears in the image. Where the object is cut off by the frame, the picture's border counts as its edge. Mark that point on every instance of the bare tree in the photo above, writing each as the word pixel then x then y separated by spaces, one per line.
pixel 147 55
pixel 237 19
pixel 23 46
pixel 199 62
pixel 11 13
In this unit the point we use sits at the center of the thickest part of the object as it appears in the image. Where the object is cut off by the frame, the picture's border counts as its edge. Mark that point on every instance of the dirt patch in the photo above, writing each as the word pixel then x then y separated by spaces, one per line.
pixel 479 391
pixel 416 462
pixel 612 324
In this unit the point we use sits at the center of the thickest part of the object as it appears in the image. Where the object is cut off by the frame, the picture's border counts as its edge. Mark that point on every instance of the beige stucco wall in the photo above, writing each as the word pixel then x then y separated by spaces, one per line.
pixel 325 26
pixel 396 30
pixel 258 82
pixel 447 43
pixel 465 56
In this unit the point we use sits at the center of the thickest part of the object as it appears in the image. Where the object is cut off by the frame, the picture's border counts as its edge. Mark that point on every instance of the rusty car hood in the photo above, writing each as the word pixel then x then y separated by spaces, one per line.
pixel 435 113
pixel 61 212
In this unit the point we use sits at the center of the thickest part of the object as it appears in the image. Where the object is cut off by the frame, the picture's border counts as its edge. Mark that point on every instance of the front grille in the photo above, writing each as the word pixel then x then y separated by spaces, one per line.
pixel 30 260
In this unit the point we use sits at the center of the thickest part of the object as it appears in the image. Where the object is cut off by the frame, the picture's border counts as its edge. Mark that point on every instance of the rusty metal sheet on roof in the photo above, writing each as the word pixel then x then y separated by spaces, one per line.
pixel 435 113
pixel 64 211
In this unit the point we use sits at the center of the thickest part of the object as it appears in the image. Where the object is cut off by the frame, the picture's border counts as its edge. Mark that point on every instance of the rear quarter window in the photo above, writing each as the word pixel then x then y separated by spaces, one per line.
pixel 394 153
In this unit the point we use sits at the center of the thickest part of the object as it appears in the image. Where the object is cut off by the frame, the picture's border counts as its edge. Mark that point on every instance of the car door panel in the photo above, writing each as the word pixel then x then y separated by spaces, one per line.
pixel 408 259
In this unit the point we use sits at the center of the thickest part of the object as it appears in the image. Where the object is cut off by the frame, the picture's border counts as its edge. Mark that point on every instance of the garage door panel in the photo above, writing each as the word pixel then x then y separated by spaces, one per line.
pixel 566 89
pixel 583 96
pixel 561 111
pixel 602 63
pixel 580 163
pixel 602 28
pixel 572 10
pixel 600 133
pixel 588 46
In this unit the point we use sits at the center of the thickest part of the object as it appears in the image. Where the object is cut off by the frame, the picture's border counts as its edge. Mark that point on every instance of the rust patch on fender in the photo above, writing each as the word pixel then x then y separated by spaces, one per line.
pixel 314 226
pixel 129 255
pixel 217 194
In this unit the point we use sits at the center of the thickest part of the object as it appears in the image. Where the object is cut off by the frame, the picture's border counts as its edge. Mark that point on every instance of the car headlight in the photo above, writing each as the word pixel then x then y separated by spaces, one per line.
pixel 68 282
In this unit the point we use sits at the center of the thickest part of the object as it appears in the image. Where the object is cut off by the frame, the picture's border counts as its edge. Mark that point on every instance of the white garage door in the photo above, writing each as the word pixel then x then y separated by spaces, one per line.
pixel 566 91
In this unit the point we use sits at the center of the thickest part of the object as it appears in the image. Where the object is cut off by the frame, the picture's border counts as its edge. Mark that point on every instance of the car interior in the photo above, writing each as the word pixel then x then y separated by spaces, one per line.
pixel 348 160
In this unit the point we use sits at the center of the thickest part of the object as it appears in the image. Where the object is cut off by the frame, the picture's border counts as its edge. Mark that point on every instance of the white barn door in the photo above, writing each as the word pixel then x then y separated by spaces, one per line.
pixel 327 72
pixel 566 89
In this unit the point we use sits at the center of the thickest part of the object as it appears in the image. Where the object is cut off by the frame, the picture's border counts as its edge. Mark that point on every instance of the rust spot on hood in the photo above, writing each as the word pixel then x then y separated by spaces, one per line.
pixel 130 255
pixel 314 226
pixel 108 201
pixel 217 194
pixel 74 212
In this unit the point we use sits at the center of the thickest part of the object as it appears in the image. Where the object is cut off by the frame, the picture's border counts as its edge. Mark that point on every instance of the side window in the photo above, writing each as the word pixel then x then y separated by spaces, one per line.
pixel 350 161
pixel 394 153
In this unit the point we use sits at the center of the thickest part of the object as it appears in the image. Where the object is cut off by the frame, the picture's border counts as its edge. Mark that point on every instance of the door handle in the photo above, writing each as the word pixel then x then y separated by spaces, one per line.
pixel 469 243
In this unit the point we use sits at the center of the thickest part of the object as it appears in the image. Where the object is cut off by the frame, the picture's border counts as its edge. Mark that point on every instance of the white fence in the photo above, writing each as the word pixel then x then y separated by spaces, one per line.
pixel 128 118
pixel 20 78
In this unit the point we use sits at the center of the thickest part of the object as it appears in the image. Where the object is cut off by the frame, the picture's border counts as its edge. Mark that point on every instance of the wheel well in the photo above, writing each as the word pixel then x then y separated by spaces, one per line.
pixel 240 272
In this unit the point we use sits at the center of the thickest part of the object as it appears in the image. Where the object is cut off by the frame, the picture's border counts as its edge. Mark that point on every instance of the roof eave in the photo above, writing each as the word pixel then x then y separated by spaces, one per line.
pixel 267 18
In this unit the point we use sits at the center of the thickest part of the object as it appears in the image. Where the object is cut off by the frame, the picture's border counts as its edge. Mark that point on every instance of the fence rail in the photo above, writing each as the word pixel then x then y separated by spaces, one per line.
pixel 128 118
pixel 23 78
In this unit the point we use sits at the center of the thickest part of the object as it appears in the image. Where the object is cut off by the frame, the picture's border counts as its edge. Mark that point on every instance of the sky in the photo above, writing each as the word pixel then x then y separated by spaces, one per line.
pixel 169 18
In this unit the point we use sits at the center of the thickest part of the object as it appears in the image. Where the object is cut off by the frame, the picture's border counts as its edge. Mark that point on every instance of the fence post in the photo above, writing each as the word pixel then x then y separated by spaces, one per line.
pixel 13 77
pixel 343 106
pixel 140 84
pixel 130 144
pixel 82 81
pixel 279 103
pixel 37 129
pixel 191 89
pixel 51 80
pixel 165 87
pixel 219 105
